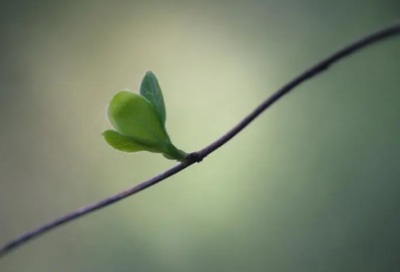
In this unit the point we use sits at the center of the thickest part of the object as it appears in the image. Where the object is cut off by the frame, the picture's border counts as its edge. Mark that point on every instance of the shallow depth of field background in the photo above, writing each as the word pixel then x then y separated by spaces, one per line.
pixel 312 185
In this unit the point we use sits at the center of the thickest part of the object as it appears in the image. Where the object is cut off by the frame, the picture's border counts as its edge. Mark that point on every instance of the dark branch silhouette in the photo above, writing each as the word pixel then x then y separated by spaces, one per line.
pixel 320 67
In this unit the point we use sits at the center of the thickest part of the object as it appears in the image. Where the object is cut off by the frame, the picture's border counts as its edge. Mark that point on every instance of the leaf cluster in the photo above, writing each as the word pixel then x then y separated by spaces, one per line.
pixel 139 121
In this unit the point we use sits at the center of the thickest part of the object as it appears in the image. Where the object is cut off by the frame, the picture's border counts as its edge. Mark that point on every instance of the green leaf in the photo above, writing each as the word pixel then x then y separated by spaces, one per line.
pixel 151 90
pixel 123 143
pixel 133 116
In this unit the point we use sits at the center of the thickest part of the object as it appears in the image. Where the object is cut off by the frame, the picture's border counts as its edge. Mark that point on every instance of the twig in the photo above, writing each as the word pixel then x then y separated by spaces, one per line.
pixel 322 66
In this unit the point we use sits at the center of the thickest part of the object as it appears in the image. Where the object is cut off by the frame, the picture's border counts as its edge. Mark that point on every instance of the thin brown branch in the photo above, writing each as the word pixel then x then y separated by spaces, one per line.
pixel 320 67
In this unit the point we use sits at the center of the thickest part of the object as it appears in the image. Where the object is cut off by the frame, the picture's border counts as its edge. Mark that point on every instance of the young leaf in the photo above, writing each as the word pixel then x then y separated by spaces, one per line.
pixel 151 90
pixel 124 143
pixel 133 116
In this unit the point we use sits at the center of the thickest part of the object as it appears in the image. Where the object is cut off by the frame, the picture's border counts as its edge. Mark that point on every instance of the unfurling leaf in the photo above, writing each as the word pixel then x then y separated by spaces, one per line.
pixel 132 115
pixel 151 90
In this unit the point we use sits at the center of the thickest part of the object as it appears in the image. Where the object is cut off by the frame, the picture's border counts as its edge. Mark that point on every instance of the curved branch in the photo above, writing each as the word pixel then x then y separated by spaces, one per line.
pixel 320 67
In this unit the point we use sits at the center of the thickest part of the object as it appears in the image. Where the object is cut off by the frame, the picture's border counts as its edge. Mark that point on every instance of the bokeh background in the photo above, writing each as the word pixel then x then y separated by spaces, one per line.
pixel 312 185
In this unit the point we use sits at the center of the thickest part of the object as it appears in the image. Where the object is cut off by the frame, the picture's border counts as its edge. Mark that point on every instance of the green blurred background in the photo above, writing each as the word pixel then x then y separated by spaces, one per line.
pixel 311 185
